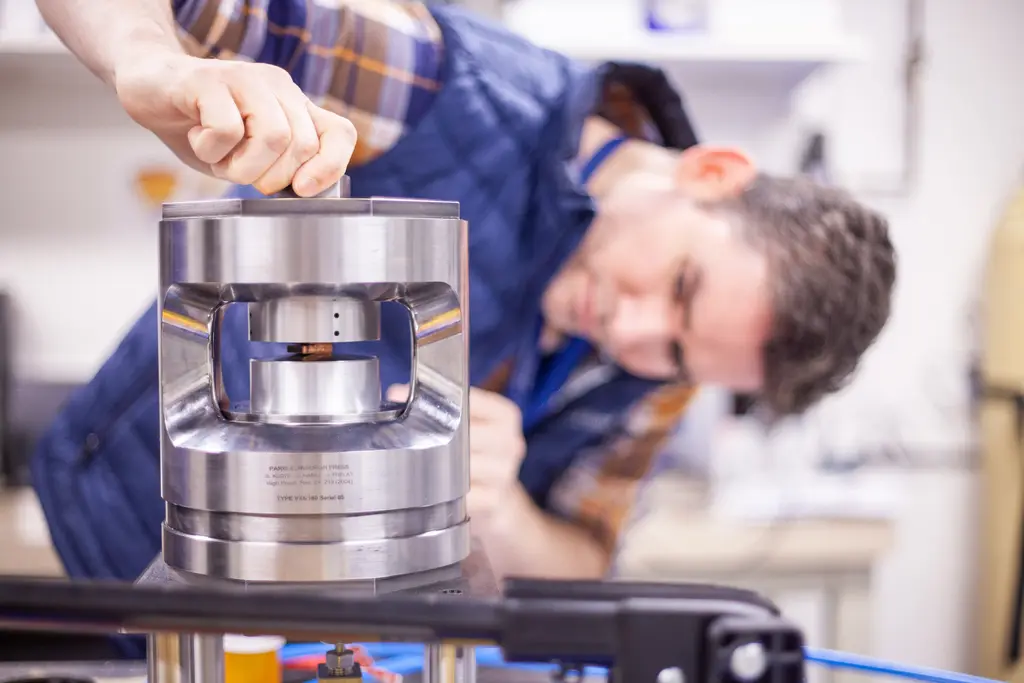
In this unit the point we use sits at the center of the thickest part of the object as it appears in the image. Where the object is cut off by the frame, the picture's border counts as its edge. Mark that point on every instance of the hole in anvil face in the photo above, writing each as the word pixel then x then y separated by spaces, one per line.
pixel 392 351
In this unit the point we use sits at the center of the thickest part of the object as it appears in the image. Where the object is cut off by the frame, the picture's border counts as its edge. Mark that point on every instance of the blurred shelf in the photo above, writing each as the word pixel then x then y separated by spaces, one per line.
pixel 42 45
pixel 747 68
pixel 665 48
pixel 697 61
pixel 740 47
pixel 22 58
pixel 42 64
pixel 705 62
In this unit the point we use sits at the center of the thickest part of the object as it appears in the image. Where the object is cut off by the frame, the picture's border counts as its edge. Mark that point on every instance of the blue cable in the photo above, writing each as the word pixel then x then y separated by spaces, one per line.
pixel 407 658
pixel 296 650
pixel 403 665
pixel 845 660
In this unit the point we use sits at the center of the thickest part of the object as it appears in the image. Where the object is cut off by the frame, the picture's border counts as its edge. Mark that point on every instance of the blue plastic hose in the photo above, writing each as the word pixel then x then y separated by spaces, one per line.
pixel 845 660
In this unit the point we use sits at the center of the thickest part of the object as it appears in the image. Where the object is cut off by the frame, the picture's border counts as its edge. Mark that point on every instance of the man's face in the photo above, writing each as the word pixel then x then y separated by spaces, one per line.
pixel 666 290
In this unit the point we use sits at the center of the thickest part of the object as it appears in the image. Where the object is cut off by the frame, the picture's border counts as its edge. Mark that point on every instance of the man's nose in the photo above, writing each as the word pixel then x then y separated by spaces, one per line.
pixel 639 322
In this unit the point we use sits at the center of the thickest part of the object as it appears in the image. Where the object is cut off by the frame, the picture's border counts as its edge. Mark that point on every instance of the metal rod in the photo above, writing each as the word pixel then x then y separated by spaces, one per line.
pixel 206 658
pixel 185 658
pixel 164 655
pixel 433 665
pixel 465 666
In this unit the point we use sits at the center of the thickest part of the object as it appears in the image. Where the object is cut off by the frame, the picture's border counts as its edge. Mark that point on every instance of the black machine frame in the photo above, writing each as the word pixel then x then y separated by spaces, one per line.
pixel 637 630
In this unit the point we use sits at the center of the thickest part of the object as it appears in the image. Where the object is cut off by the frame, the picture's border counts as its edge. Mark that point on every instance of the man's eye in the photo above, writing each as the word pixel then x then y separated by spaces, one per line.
pixel 679 360
pixel 677 355
pixel 679 287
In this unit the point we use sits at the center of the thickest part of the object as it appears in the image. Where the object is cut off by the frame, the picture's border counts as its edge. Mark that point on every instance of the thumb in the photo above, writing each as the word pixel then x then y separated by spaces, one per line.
pixel 337 144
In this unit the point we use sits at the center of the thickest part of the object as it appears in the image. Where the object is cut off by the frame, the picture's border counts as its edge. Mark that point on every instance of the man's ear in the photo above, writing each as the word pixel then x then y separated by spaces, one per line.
pixel 714 173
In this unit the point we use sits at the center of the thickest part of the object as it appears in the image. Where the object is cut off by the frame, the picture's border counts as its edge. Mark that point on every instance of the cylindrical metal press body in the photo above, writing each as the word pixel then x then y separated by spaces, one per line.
pixel 316 478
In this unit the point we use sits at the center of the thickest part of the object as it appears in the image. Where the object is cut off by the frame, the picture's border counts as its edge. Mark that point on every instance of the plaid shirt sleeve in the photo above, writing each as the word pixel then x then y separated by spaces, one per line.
pixel 600 489
pixel 375 62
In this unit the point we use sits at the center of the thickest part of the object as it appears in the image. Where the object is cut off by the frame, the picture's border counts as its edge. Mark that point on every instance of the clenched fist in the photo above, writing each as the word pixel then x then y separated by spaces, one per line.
pixel 496 450
pixel 245 123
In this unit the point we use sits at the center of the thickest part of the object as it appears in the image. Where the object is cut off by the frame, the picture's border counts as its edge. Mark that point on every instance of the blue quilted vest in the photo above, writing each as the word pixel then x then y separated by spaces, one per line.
pixel 500 139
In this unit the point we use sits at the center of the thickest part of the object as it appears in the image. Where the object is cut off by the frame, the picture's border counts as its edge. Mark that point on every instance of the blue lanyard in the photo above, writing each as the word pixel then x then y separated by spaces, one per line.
pixel 603 152
pixel 534 398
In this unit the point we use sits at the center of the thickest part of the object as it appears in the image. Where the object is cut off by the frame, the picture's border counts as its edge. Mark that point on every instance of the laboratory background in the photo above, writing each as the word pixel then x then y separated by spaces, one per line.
pixel 888 519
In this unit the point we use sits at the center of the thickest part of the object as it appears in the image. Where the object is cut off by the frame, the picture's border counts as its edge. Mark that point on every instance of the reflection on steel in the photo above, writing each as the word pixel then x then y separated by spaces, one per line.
pixel 185 658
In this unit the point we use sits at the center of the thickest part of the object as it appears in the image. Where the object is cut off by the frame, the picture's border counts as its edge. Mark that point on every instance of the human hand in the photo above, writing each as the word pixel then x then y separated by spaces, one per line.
pixel 496 450
pixel 246 123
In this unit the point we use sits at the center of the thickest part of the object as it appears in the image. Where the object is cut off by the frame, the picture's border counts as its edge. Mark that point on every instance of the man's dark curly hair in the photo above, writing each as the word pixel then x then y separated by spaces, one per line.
pixel 832 269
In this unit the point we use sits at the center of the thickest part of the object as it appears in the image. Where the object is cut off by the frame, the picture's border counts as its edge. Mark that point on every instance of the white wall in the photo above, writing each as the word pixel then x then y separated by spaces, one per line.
pixel 77 243
pixel 912 394
pixel 971 158
pixel 77 252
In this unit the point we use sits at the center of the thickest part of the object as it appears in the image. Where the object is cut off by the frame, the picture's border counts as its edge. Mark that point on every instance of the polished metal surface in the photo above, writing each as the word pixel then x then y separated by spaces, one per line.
pixel 317 480
pixel 434 664
pixel 311 320
pixel 473 577
pixel 185 658
pixel 465 665
pixel 318 206
pixel 297 562
pixel 347 387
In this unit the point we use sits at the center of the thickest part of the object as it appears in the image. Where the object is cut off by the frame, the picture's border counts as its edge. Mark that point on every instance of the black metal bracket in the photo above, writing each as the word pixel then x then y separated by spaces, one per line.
pixel 669 633
pixel 643 632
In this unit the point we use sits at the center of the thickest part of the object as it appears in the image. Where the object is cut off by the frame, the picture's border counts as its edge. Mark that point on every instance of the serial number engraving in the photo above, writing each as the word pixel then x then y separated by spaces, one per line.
pixel 290 479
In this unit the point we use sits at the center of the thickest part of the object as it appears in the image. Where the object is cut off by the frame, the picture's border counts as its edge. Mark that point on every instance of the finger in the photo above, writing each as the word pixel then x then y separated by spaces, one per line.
pixel 337 142
pixel 481 404
pixel 399 393
pixel 220 127
pixel 267 134
pixel 479 503
pixel 484 471
pixel 305 143
pixel 487 406
pixel 493 465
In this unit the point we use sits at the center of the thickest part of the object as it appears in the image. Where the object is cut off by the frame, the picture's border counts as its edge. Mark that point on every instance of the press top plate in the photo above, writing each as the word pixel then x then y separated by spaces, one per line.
pixel 374 206
pixel 335 201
